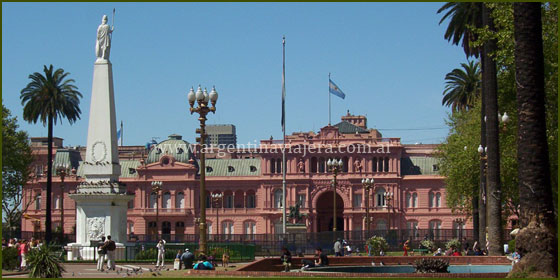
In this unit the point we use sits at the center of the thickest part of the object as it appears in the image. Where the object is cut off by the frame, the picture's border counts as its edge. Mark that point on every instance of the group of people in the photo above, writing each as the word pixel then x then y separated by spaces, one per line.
pixel 475 250
pixel 106 251
pixel 187 259
pixel 340 246
pixel 23 247
pixel 321 259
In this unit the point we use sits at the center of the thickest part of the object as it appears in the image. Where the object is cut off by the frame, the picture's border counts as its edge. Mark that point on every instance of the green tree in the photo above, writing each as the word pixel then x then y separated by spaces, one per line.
pixel 16 159
pixel 537 240
pixel 49 98
pixel 462 87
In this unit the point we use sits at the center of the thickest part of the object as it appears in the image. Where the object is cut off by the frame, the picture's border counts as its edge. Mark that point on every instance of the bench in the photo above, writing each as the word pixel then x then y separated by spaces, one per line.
pixel 421 251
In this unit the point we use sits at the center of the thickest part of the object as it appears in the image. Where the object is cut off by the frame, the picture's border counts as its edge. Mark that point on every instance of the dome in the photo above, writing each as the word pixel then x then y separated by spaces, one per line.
pixel 174 146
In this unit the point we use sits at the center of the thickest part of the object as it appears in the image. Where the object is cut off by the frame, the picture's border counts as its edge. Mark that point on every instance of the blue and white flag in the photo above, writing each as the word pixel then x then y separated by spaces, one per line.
pixel 334 89
pixel 119 134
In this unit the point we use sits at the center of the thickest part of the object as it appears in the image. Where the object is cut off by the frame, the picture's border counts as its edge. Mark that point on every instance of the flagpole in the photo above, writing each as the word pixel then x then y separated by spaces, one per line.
pixel 284 138
pixel 329 93
pixel 122 136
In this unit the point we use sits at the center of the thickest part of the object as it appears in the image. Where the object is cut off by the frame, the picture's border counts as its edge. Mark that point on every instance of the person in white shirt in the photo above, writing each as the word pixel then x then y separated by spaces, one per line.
pixel 161 253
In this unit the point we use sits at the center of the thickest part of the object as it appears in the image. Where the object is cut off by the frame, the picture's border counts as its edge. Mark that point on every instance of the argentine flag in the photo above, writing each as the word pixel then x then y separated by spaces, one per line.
pixel 334 89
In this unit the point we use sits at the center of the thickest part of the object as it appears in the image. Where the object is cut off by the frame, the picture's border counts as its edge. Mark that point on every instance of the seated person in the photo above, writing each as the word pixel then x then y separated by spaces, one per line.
pixel 286 258
pixel 438 252
pixel 514 258
pixel 187 258
pixel 456 253
pixel 203 264
pixel 478 252
pixel 322 260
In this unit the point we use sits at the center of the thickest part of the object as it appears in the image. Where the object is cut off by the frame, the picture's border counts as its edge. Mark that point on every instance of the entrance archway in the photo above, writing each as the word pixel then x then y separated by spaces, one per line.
pixel 325 212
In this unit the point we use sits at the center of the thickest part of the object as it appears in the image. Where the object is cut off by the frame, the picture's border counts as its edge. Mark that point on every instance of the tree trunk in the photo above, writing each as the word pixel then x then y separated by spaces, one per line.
pixel 537 240
pixel 493 195
pixel 48 227
pixel 481 234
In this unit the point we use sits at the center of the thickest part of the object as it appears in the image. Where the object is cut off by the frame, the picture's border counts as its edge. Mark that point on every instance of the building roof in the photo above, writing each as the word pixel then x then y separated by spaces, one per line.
pixel 220 129
pixel 67 158
pixel 419 165
pixel 128 168
pixel 233 167
pixel 345 127
pixel 174 146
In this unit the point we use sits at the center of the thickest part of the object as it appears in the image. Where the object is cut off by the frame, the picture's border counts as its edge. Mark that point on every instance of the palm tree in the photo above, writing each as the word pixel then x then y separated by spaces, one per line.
pixel 536 241
pixel 462 16
pixel 48 98
pixel 462 87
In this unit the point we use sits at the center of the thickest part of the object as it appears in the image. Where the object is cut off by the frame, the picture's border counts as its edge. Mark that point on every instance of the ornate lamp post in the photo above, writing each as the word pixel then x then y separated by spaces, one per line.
pixel 202 98
pixel 460 222
pixel 156 187
pixel 388 197
pixel 334 166
pixel 368 184
pixel 215 198
pixel 62 174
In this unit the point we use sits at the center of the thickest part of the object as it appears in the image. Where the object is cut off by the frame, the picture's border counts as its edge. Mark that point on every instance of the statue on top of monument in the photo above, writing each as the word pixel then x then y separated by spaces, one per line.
pixel 103 42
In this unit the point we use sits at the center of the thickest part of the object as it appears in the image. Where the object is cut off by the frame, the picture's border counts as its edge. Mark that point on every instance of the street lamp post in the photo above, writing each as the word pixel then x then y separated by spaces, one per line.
pixel 335 167
pixel 388 197
pixel 156 187
pixel 62 174
pixel 215 198
pixel 202 109
pixel 368 184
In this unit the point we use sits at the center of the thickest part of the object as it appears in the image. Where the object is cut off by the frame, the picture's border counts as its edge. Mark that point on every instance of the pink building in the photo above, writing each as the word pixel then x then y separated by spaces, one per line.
pixel 250 179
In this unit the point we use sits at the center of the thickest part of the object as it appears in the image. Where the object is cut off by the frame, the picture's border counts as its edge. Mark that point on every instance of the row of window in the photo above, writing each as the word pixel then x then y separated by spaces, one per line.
pixel 319 165
pixel 228 201
pixel 434 200
pixel 226 227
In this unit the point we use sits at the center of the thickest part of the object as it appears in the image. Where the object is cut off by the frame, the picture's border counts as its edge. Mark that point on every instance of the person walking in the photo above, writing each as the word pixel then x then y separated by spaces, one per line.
pixel 23 249
pixel 187 258
pixel 110 246
pixel 406 247
pixel 337 248
pixel 161 253
pixel 102 253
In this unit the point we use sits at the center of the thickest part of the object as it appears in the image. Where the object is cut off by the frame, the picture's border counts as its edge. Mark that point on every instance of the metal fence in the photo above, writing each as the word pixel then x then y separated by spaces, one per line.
pixel 306 242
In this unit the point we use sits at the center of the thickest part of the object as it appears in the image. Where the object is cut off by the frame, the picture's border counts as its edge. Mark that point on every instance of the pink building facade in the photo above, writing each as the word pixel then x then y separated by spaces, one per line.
pixel 250 179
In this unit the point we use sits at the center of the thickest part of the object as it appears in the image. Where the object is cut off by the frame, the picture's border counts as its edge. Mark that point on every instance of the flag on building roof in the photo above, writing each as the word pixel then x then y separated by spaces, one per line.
pixel 334 89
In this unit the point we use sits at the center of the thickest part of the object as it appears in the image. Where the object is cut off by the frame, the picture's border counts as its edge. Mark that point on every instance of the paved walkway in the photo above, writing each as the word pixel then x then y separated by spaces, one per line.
pixel 90 271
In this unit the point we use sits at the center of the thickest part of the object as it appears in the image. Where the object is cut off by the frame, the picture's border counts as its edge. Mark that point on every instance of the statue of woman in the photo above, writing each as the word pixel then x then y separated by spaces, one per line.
pixel 103 42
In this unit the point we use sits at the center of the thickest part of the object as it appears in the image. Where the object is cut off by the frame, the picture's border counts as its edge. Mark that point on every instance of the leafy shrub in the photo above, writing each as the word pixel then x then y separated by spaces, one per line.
pixel 428 244
pixel 9 258
pixel 455 244
pixel 511 245
pixel 151 254
pixel 431 265
pixel 377 244
pixel 43 263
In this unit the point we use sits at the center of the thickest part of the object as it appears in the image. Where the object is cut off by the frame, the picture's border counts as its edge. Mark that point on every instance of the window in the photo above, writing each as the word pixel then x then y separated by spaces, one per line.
pixel 250 229
pixel 414 200
pixel 412 228
pixel 180 200
pixel 166 203
pixel 209 169
pixel 380 197
pixel 209 203
pixel 57 202
pixel 431 199
pixel 381 225
pixel 230 169
pixel 435 227
pixel 253 168
pixel 38 202
pixel 301 200
pixel 279 166
pixel 357 202
pixel 374 164
pixel 438 200
pixel 278 199
pixel 228 201
pixel 153 200
pixel 227 227
pixel 435 167
pixel 272 165
pixel 313 165
pixel 131 204
pixel 251 201
pixel 209 229
pixel 457 228
pixel 408 198
pixel 130 228
pixel 386 165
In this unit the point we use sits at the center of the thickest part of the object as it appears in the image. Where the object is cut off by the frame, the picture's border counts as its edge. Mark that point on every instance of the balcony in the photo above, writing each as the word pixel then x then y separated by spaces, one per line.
pixel 166 211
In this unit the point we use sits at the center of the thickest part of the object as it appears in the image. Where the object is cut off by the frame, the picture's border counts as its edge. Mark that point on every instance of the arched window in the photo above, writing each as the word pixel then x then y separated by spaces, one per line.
pixel 278 198
pixel 38 202
pixel 250 229
pixel 166 203
pixel 408 198
pixel 227 227
pixel 412 228
pixel 431 199
pixel 228 200
pixel 180 200
pixel 414 200
pixel 435 228
pixel 438 200
pixel 153 200
pixel 57 202
pixel 457 228
pixel 379 197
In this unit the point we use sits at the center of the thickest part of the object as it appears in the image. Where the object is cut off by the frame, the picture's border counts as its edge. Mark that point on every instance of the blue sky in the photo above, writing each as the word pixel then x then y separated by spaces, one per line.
pixel 389 58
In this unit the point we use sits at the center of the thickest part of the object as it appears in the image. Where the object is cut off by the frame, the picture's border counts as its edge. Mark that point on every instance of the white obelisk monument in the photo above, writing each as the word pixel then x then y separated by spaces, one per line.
pixel 101 201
